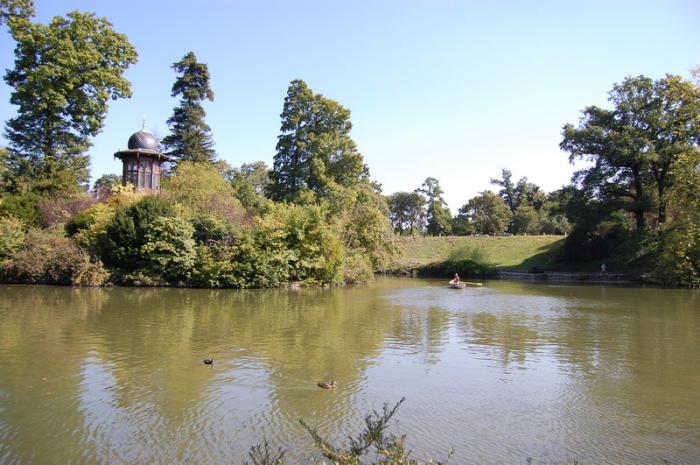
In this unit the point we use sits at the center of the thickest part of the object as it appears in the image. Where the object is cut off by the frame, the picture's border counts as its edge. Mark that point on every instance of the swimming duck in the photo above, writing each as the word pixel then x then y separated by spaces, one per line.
pixel 208 361
pixel 325 385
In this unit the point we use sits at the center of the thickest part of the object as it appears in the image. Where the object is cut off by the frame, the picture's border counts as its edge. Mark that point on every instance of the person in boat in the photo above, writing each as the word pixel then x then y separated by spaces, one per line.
pixel 455 279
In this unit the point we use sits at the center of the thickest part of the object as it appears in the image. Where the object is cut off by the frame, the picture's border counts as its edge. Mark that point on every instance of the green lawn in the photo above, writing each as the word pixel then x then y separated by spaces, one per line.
pixel 502 252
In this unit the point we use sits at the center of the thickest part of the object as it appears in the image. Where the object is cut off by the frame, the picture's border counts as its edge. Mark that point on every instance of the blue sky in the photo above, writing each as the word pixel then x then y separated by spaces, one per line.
pixel 456 90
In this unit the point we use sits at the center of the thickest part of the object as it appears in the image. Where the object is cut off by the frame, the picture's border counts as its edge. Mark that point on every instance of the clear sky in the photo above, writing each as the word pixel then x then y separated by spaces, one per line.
pixel 456 90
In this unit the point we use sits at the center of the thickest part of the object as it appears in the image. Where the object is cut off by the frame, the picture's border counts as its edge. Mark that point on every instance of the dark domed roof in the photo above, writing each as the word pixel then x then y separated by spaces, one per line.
pixel 143 140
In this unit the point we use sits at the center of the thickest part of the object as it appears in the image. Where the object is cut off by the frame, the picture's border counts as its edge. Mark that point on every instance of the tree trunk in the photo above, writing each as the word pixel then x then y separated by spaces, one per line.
pixel 662 199
pixel 662 206
pixel 639 194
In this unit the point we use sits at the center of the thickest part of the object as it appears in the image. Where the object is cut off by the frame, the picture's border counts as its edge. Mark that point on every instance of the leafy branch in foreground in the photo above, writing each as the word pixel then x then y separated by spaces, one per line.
pixel 390 449
pixel 262 454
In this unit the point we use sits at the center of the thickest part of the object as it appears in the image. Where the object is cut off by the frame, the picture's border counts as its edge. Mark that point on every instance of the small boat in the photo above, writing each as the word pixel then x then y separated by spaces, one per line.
pixel 463 284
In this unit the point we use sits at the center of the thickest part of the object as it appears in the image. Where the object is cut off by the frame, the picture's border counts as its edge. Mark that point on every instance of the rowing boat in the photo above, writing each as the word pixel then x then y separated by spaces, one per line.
pixel 463 284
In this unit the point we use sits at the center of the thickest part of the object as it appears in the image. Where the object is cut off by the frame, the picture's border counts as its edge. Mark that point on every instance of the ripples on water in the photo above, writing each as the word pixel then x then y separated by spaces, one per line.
pixel 502 373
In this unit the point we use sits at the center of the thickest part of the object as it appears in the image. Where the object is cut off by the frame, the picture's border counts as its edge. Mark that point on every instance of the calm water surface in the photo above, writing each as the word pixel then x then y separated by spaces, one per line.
pixel 511 371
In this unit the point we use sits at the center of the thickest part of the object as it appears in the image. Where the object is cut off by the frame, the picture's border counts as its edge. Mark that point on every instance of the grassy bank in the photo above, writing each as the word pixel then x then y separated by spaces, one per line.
pixel 507 252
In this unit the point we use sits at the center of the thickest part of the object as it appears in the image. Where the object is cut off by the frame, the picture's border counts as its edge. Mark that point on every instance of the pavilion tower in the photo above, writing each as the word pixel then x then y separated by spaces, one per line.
pixel 142 162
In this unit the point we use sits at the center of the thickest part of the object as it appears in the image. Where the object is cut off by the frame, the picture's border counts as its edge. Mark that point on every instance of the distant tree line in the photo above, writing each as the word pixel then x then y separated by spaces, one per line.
pixel 518 208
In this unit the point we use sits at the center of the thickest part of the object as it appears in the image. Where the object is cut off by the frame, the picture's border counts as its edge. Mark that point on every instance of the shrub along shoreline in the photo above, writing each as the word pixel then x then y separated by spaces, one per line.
pixel 198 233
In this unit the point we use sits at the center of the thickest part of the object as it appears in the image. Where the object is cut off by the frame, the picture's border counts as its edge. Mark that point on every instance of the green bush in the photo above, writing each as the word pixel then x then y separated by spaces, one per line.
pixel 464 252
pixel 315 253
pixel 465 268
pixel 48 259
pixel 357 269
pixel 365 229
pixel 78 223
pixel 21 206
pixel 201 189
pixel 169 249
pixel 122 241
pixel 250 259
pixel 678 261
pixel 262 259
pixel 464 260
pixel 11 236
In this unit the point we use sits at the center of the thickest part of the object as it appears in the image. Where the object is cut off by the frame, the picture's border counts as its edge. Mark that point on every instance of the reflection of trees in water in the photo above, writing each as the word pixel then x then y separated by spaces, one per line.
pixel 150 343
pixel 145 348
pixel 41 354
pixel 510 335
pixel 643 355
pixel 423 331
pixel 633 350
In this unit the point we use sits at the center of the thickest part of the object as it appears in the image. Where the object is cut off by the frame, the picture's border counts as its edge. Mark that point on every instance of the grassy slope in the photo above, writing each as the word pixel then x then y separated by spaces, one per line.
pixel 503 252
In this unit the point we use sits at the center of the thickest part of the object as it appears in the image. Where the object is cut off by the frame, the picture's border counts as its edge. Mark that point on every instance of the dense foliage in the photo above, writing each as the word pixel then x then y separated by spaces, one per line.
pixel 634 205
pixel 64 75
pixel 635 145
pixel 679 242
pixel 439 219
pixel 487 212
pixel 15 9
pixel 519 208
pixel 407 212
pixel 314 150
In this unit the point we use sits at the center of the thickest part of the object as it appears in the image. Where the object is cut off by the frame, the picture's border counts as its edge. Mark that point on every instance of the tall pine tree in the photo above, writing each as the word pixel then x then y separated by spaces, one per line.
pixel 64 75
pixel 190 137
pixel 314 150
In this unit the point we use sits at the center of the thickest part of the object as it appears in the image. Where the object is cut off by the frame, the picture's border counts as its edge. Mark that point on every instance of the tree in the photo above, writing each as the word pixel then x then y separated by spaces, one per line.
pixel 250 182
pixel 518 195
pixel 407 212
pixel 169 248
pixel 64 74
pixel 525 220
pixel 507 192
pixel 462 224
pixel 316 252
pixel 314 149
pixel 122 243
pixel 365 231
pixel 202 190
pixel 190 138
pixel 679 242
pixel 257 174
pixel 3 170
pixel 488 212
pixel 102 187
pixel 438 215
pixel 553 218
pixel 12 9
pixel 635 145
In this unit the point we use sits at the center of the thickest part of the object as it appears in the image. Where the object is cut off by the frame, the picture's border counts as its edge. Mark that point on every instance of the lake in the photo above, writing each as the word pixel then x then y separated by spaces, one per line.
pixel 600 374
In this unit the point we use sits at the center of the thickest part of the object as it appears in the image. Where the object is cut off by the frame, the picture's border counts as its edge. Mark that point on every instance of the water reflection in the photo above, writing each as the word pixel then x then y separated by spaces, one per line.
pixel 501 373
